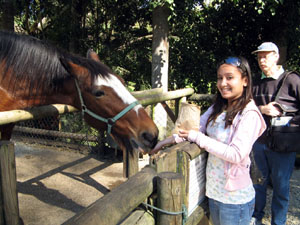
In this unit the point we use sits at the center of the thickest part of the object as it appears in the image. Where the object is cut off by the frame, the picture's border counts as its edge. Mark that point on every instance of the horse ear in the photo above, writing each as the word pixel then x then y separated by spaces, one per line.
pixel 65 64
pixel 80 72
pixel 92 55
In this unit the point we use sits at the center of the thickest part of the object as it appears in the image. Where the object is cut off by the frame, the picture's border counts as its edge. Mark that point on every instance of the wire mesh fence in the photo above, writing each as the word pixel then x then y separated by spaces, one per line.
pixel 67 131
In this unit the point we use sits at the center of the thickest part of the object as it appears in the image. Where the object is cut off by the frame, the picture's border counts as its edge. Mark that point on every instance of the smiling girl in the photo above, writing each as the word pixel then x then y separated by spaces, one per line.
pixel 227 132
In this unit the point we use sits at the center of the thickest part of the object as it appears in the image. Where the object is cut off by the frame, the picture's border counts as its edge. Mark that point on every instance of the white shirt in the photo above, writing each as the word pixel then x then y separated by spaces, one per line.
pixel 276 75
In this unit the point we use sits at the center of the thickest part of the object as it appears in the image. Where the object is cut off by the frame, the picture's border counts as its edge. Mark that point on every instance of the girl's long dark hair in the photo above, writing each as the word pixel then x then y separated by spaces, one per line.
pixel 240 103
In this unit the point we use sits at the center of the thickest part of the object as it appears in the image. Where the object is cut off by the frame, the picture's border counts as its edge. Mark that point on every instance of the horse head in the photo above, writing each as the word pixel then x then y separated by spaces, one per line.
pixel 108 105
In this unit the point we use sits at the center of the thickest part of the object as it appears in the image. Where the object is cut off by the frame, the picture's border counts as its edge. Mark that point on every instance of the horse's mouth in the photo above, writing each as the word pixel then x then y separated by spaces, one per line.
pixel 138 146
pixel 144 143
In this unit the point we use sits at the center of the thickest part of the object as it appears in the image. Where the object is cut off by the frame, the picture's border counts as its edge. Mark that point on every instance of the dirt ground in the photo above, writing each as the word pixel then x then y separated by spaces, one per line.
pixel 55 185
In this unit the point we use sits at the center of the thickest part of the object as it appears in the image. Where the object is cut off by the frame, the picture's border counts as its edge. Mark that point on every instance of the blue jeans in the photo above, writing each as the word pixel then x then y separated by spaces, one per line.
pixel 278 167
pixel 230 214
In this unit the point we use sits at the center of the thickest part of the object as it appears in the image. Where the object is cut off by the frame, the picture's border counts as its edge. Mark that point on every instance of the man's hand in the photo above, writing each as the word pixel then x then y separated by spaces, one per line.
pixel 270 109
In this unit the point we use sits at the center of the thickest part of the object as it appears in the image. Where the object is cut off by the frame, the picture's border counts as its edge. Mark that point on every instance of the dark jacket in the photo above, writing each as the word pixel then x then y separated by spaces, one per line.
pixel 266 89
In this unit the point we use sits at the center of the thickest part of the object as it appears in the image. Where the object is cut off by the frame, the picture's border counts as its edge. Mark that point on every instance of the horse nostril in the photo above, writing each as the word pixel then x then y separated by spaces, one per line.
pixel 149 139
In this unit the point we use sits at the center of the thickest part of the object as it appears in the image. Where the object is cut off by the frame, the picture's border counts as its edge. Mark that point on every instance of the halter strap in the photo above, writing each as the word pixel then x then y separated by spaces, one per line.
pixel 109 121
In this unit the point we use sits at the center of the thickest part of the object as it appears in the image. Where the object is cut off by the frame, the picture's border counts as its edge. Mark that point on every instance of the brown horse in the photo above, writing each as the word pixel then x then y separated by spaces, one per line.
pixel 34 73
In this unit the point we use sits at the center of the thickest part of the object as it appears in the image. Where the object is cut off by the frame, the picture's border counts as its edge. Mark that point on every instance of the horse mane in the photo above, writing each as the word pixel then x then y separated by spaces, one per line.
pixel 37 63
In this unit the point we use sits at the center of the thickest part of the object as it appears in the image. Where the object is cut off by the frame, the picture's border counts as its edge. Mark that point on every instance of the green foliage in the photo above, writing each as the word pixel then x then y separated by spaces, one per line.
pixel 74 123
pixel 201 34
pixel 157 3
pixel 211 32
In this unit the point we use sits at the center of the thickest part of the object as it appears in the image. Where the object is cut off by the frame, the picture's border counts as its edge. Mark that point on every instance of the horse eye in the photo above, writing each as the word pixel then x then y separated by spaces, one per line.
pixel 98 93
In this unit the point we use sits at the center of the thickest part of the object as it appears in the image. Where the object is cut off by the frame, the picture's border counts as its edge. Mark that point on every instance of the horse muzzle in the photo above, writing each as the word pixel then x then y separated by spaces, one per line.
pixel 145 143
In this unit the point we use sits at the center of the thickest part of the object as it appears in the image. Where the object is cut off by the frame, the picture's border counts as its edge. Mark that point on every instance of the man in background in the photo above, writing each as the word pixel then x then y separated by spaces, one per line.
pixel 274 166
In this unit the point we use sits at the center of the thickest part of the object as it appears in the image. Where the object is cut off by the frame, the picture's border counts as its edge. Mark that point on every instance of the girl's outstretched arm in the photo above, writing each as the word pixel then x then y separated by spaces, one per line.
pixel 160 144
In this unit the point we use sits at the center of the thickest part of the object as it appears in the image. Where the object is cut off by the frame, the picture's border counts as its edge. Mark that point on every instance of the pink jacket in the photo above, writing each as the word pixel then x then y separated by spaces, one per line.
pixel 245 129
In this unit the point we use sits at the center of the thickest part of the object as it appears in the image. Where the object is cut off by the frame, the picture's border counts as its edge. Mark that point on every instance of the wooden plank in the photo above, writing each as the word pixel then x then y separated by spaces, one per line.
pixel 1 204
pixel 34 113
pixel 153 99
pixel 169 111
pixel 183 165
pixel 1 199
pixel 146 93
pixel 8 182
pixel 199 216
pixel 166 159
pixel 196 216
pixel 192 149
pixel 189 153
pixel 115 206
pixel 177 105
pixel 139 217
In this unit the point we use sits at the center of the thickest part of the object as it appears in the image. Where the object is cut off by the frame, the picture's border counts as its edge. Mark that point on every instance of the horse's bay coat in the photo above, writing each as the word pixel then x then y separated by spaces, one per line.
pixel 34 73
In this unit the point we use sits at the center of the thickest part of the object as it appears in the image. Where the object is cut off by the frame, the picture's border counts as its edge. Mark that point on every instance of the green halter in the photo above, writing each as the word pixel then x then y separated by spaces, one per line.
pixel 110 121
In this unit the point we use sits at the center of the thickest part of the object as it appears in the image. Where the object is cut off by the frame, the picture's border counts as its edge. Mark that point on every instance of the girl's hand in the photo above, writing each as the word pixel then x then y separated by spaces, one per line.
pixel 160 144
pixel 157 147
pixel 184 134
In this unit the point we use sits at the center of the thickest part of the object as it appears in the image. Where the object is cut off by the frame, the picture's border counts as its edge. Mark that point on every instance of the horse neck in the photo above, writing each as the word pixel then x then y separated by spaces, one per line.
pixel 66 95
pixel 21 100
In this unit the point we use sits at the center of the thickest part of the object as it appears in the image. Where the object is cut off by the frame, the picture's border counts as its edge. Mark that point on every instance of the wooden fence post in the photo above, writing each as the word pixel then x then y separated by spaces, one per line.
pixel 9 183
pixel 1 205
pixel 169 198
pixel 177 105
pixel 130 162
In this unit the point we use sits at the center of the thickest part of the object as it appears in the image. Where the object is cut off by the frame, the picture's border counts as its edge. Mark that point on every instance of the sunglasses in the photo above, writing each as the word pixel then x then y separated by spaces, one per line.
pixel 233 61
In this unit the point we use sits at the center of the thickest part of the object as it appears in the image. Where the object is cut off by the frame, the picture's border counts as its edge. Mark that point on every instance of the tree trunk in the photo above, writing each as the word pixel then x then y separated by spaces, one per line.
pixel 160 48
pixel 280 25
pixel 160 62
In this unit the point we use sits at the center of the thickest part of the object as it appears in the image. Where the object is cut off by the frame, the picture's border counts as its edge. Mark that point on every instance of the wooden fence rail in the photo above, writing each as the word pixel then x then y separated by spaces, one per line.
pixel 165 183
pixel 145 97
pixel 14 116
pixel 117 204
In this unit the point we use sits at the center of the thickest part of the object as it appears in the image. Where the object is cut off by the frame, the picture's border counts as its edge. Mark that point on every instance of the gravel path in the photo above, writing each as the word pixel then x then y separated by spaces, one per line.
pixel 293 217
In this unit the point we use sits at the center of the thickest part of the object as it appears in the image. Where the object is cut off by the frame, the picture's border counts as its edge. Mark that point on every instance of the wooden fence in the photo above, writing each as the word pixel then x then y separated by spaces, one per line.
pixel 152 194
